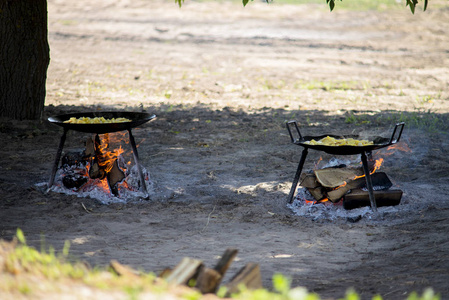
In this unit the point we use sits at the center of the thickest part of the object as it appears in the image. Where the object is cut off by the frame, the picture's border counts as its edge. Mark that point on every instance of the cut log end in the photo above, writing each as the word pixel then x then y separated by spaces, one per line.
pixel 249 276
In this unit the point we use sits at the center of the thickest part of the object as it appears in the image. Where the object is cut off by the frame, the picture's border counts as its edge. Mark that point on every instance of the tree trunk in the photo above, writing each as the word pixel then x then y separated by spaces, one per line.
pixel 24 58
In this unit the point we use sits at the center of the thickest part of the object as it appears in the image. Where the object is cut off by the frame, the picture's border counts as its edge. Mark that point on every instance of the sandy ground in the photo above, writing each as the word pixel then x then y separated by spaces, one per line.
pixel 223 80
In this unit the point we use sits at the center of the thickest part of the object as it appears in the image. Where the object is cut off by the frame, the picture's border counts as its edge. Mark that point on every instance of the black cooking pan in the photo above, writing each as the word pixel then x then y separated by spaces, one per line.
pixel 135 117
pixel 379 142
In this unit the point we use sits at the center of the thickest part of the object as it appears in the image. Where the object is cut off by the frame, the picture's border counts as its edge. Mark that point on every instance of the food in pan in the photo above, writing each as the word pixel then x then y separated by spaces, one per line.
pixel 330 141
pixel 96 120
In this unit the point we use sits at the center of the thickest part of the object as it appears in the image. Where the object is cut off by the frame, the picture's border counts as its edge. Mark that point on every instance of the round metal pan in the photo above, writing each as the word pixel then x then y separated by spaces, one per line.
pixel 378 142
pixel 135 117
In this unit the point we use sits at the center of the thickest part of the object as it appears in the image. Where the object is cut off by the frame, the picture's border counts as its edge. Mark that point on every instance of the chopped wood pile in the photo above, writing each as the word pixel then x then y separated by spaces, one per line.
pixel 193 273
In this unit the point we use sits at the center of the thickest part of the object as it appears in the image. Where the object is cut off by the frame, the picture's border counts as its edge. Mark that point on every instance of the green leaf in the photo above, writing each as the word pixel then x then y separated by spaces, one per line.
pixel 245 2
pixel 351 294
pixel 65 250
pixel 331 4
pixel 179 2
pixel 281 283
pixel 412 3
pixel 20 236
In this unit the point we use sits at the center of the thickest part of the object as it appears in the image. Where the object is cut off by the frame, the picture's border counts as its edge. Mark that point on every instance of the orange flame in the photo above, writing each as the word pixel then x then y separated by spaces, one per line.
pixel 318 162
pixel 108 157
pixel 401 146
pixel 344 183
pixel 103 184
pixel 377 165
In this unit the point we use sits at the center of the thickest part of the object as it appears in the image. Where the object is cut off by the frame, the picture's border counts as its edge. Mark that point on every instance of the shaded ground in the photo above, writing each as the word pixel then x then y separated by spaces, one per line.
pixel 223 81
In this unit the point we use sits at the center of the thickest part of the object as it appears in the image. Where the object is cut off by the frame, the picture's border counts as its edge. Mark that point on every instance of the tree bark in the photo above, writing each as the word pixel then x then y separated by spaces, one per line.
pixel 24 58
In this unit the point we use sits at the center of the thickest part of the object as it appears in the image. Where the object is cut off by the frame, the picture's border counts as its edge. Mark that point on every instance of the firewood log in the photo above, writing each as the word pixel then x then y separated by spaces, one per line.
pixel 360 198
pixel 249 276
pixel 122 270
pixel 208 280
pixel 187 269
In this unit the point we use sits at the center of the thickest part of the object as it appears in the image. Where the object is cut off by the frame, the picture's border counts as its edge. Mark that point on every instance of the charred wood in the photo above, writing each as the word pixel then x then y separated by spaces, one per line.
pixel 360 198
pixel 72 160
pixel 72 181
pixel 95 171
pixel 115 176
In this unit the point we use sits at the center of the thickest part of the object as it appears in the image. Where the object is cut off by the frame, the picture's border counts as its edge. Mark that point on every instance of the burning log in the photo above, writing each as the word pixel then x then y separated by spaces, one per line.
pixel 115 176
pixel 96 170
pixel 103 164
pixel 379 179
pixel 318 193
pixel 334 177
pixel 360 198
pixel 309 181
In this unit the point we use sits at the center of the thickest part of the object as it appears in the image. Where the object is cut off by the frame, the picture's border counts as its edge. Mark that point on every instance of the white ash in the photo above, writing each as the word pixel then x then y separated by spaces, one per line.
pixel 93 190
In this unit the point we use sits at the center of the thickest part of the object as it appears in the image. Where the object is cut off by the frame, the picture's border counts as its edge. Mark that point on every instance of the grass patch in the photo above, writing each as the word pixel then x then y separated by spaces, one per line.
pixel 332 85
pixel 428 121
pixel 424 120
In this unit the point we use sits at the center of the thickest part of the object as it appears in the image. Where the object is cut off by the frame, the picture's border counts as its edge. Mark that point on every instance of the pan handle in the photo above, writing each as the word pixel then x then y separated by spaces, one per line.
pixel 289 124
pixel 398 125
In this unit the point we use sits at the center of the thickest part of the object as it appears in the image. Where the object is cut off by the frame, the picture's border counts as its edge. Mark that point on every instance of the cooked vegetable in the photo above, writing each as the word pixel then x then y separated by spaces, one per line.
pixel 97 120
pixel 330 141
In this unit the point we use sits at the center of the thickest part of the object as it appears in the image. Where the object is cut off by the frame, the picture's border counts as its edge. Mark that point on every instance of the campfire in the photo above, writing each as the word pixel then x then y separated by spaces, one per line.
pixel 97 167
pixel 354 184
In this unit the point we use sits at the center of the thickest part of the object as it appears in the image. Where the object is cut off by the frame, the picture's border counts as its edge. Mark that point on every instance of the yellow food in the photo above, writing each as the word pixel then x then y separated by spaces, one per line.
pixel 330 141
pixel 96 120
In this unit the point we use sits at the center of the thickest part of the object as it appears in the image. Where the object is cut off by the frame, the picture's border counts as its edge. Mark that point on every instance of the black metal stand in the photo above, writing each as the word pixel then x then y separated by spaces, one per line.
pixel 369 183
pixel 143 186
pixel 297 175
pixel 57 158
